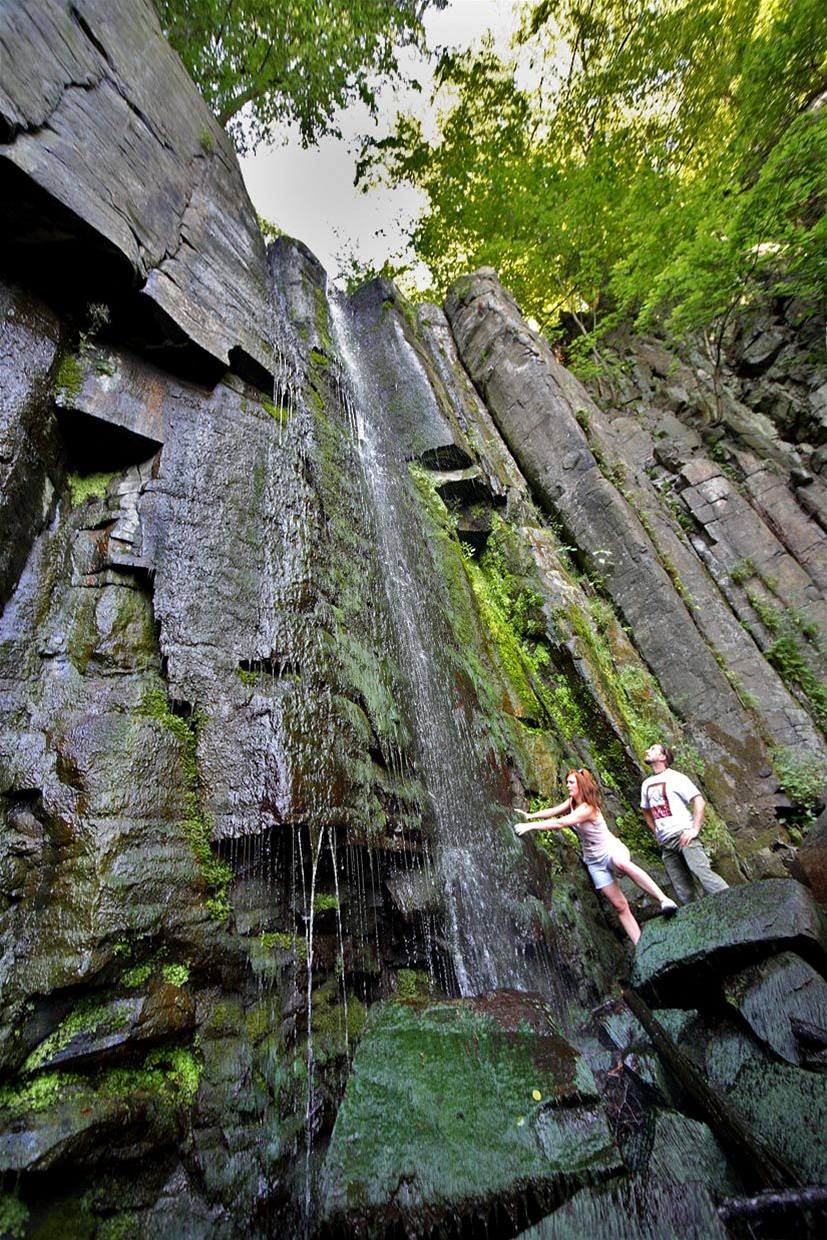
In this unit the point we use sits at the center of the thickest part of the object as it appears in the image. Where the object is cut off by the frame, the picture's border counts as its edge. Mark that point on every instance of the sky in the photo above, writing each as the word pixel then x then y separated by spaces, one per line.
pixel 310 194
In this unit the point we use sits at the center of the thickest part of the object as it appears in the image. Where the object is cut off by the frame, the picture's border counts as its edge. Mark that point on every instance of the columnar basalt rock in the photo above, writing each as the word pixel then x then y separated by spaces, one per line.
pixel 534 402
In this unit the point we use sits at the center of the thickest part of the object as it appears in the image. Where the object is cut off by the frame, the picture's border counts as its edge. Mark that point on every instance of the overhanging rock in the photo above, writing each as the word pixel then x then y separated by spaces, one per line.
pixel 114 169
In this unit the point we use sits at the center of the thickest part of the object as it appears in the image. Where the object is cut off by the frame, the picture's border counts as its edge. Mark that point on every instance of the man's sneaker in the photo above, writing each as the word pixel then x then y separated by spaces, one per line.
pixel 668 907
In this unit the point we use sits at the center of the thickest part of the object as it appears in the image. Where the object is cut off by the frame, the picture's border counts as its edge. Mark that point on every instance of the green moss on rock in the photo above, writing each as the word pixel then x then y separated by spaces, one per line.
pixel 197 826
pixel 88 1016
pixel 69 378
pixel 176 974
pixel 462 1114
pixel 14 1216
pixel 682 958
pixel 38 1094
pixel 88 486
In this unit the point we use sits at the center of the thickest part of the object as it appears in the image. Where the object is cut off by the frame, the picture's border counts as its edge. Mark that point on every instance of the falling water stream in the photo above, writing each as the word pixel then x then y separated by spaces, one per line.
pixel 472 859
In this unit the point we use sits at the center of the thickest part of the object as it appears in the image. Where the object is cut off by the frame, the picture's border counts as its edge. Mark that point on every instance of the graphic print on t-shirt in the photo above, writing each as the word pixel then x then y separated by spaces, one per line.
pixel 658 799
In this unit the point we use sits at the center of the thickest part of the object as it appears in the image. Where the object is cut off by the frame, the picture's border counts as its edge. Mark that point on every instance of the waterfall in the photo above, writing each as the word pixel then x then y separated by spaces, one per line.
pixel 472 853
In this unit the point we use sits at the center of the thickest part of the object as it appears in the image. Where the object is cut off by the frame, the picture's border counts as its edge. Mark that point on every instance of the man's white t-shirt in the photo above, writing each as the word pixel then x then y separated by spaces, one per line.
pixel 668 795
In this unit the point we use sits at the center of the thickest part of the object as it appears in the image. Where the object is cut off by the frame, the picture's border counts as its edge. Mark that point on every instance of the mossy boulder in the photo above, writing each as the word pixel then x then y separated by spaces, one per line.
pixel 788 1107
pixel 784 1002
pixel 61 1120
pixel 679 959
pixel 455 1111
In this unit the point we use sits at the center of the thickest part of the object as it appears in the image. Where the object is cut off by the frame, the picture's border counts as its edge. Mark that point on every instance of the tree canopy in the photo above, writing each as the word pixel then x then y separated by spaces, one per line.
pixel 640 159
pixel 289 60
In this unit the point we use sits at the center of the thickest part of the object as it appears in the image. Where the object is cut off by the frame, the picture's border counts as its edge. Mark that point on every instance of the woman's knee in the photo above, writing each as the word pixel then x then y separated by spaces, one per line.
pixel 616 898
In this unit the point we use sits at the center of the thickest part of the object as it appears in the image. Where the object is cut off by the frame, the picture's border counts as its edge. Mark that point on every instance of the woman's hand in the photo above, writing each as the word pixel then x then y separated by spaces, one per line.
pixel 520 828
pixel 523 813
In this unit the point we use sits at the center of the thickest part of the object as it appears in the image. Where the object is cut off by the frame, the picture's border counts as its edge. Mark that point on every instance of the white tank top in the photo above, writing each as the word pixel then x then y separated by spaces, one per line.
pixel 596 840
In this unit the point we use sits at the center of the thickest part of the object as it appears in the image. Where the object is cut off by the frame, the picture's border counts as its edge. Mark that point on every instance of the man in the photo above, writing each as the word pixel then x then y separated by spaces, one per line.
pixel 665 798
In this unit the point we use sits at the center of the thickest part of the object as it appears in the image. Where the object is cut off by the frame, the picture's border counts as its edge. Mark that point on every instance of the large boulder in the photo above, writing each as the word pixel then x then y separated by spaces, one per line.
pixel 784 1002
pixel 680 959
pixel 456 1111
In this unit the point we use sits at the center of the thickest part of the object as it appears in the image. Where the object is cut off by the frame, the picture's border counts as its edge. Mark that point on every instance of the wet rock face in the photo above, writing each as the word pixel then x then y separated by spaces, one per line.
pixel 535 404
pixel 29 338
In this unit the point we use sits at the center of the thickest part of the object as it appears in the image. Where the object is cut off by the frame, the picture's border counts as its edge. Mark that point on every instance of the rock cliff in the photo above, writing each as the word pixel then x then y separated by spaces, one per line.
pixel 301 595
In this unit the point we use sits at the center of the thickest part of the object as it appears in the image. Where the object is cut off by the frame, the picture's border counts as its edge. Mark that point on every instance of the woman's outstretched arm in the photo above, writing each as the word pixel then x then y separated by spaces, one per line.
pixel 560 816
pixel 551 812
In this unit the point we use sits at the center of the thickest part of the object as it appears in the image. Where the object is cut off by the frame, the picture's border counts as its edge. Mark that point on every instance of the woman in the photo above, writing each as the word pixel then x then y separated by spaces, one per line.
pixel 603 853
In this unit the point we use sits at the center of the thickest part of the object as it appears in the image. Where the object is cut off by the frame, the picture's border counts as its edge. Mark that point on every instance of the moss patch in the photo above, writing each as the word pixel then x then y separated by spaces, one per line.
pixel 136 976
pixel 38 1094
pixel 279 413
pixel 197 826
pixel 88 1016
pixel 460 1113
pixel 282 941
pixel 88 486
pixel 69 378
pixel 14 1216
pixel 412 986
pixel 176 974
pixel 336 1025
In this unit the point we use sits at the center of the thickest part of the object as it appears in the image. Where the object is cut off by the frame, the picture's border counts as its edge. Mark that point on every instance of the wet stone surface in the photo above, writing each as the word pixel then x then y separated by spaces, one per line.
pixel 424 1080
pixel 681 957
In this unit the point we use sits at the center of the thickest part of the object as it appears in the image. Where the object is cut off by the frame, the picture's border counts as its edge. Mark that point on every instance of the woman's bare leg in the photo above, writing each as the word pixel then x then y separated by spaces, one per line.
pixel 621 906
pixel 641 879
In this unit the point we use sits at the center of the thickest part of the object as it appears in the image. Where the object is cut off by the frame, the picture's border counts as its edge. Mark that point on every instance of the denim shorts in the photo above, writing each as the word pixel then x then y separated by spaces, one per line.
pixel 602 870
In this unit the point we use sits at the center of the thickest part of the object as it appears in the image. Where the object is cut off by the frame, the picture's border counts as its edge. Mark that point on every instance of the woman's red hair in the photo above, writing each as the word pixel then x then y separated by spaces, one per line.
pixel 588 789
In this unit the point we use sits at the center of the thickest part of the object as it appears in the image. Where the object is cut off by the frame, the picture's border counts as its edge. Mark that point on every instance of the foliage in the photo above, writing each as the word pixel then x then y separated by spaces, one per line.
pixel 785 655
pixel 268 230
pixel 283 941
pixel 632 159
pixel 136 976
pixel 14 1216
pixel 801 774
pixel 38 1094
pixel 412 986
pixel 296 61
pixel 176 974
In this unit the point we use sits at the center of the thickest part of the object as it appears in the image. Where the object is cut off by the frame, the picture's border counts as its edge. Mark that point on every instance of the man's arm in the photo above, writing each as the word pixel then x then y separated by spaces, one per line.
pixel 650 821
pixel 698 806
